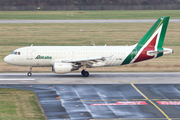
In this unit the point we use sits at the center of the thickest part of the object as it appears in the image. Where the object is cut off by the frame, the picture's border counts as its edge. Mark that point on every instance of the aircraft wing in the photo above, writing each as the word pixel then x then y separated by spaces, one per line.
pixel 85 59
pixel 89 62
pixel 96 61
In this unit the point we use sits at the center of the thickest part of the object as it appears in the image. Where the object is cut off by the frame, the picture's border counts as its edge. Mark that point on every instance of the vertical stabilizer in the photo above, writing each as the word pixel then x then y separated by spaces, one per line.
pixel 159 29
pixel 152 41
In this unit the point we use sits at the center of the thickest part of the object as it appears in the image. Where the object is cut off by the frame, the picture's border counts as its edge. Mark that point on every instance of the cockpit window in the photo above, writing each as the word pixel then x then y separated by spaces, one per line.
pixel 16 53
pixel 12 53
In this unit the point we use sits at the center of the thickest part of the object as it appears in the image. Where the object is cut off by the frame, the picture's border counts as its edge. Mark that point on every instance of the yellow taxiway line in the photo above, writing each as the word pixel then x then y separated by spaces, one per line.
pixel 150 100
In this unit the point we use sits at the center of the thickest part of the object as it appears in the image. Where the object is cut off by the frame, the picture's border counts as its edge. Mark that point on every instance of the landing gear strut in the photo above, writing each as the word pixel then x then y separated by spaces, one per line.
pixel 85 73
pixel 29 73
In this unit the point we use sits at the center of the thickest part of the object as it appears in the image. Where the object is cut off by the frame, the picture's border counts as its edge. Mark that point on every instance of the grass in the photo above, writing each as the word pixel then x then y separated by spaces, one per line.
pixel 70 34
pixel 111 14
pixel 14 36
pixel 18 104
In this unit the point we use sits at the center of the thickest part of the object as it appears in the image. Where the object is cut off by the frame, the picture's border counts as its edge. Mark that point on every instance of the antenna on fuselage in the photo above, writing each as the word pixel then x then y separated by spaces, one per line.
pixel 31 45
pixel 81 30
pixel 93 43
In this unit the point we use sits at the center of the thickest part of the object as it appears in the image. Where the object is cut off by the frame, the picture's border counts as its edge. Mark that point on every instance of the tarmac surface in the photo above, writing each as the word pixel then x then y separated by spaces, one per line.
pixel 87 21
pixel 94 78
pixel 129 96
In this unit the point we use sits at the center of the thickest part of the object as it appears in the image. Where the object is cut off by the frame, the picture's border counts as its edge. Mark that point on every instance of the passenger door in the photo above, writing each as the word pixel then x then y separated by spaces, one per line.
pixel 29 54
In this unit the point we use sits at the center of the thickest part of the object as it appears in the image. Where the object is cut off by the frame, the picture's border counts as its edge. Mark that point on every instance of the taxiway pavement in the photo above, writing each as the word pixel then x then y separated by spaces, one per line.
pixel 129 96
pixel 94 78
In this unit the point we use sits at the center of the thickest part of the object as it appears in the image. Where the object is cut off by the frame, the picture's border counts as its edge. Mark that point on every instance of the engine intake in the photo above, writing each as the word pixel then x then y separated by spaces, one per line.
pixel 62 68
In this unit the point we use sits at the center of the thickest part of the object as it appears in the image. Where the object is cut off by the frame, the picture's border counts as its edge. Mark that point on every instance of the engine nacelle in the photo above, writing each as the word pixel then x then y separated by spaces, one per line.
pixel 62 67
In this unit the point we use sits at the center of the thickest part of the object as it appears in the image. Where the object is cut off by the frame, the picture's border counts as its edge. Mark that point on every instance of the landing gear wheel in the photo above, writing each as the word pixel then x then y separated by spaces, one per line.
pixel 82 72
pixel 85 73
pixel 29 74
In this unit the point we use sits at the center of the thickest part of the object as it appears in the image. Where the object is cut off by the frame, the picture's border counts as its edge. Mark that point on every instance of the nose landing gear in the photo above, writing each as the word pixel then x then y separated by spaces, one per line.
pixel 29 73
pixel 85 73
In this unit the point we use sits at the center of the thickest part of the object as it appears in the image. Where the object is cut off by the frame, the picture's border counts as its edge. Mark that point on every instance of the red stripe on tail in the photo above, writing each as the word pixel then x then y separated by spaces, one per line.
pixel 150 46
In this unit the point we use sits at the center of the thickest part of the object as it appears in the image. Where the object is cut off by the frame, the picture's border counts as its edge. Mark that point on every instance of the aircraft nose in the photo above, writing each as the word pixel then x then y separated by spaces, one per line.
pixel 7 59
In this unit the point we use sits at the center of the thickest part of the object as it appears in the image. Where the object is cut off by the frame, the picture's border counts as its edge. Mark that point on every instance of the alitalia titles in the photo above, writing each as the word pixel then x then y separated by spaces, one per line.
pixel 43 57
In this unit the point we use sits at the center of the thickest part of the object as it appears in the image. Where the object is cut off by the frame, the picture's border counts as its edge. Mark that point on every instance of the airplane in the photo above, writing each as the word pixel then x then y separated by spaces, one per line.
pixel 64 59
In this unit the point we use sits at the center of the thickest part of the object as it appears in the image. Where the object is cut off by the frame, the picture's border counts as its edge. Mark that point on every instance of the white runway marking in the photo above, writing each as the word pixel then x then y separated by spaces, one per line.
pixel 17 79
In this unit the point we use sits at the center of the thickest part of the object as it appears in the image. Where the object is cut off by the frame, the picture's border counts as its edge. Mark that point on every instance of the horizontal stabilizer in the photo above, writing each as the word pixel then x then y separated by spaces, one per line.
pixel 152 53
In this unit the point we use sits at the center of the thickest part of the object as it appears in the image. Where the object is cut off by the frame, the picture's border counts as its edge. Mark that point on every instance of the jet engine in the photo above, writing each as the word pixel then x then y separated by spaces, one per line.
pixel 62 68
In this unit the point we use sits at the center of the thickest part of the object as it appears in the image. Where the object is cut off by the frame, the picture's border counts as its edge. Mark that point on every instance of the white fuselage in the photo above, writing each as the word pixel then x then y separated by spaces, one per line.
pixel 114 55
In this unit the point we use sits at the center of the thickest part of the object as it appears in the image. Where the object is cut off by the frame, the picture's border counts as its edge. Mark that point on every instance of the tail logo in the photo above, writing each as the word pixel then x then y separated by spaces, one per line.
pixel 150 45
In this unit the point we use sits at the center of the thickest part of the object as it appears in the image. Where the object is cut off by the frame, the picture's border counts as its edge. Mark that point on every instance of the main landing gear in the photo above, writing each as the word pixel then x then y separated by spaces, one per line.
pixel 85 73
pixel 29 73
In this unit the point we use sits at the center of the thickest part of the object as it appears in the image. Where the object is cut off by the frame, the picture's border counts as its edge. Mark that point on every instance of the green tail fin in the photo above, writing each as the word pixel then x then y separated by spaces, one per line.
pixel 153 40
pixel 161 22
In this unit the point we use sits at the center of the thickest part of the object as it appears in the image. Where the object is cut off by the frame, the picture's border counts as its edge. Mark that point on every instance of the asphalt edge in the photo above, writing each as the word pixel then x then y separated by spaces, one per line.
pixel 42 110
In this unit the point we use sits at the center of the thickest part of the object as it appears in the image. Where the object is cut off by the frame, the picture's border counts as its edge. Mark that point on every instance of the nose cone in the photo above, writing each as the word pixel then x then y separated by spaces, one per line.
pixel 7 59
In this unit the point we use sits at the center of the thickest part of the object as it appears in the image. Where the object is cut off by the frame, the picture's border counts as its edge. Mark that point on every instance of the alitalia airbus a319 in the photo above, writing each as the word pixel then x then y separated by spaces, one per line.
pixel 64 59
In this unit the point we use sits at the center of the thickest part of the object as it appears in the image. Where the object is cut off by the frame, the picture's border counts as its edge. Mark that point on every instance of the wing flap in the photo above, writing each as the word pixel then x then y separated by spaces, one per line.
pixel 87 59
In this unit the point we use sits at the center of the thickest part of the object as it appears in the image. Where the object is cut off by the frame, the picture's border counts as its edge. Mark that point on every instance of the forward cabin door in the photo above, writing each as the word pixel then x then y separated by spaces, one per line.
pixel 29 54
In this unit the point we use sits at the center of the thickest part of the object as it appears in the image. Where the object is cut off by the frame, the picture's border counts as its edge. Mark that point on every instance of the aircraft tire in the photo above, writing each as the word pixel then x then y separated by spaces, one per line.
pixel 29 74
pixel 86 74
pixel 82 72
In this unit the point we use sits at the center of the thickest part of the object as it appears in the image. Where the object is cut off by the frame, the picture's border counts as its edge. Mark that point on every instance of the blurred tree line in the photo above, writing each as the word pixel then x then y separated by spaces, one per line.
pixel 84 2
